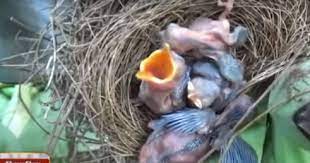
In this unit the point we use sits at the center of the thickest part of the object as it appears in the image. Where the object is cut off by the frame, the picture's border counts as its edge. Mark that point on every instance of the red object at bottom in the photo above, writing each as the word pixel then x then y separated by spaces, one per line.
pixel 26 160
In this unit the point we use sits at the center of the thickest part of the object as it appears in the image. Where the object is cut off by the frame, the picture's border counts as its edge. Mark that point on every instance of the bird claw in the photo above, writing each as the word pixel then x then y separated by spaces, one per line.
pixel 228 7
pixel 228 4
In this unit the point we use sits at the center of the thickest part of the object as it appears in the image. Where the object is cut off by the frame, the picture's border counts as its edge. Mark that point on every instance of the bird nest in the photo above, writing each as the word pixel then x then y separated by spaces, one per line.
pixel 112 37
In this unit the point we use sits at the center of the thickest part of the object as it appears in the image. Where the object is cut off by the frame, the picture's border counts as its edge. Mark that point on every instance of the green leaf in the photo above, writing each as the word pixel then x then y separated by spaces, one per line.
pixel 18 127
pixel 255 135
pixel 15 117
pixel 286 143
pixel 8 142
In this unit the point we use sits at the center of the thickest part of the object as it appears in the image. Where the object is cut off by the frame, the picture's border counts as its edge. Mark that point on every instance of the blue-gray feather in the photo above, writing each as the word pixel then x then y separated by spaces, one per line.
pixel 238 152
pixel 185 121
pixel 207 70
pixel 240 35
pixel 230 68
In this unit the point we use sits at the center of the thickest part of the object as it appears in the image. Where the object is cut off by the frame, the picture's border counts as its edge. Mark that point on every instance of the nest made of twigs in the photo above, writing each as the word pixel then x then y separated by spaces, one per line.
pixel 112 37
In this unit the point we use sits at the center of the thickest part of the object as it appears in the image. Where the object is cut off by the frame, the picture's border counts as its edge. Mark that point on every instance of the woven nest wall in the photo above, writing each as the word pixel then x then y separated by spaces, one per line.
pixel 112 37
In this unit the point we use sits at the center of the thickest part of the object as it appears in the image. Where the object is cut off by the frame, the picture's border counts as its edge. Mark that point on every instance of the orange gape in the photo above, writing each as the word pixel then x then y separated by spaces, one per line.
pixel 159 67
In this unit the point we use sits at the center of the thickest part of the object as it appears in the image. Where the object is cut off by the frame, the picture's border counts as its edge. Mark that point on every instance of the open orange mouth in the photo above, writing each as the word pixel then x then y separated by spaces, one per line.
pixel 159 67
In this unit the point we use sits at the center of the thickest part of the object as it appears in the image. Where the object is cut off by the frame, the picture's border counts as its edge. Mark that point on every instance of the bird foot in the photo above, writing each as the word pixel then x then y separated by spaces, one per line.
pixel 228 7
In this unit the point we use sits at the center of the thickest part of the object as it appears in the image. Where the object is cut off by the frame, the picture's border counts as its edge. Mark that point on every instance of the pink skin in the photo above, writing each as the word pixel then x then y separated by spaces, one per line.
pixel 228 7
pixel 218 28
pixel 202 33
pixel 157 99
pixel 157 96
pixel 183 39
pixel 169 143
pixel 207 26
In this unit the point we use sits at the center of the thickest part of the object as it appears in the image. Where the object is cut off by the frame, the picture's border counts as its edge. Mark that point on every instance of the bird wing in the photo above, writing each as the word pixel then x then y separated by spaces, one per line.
pixel 238 152
pixel 185 121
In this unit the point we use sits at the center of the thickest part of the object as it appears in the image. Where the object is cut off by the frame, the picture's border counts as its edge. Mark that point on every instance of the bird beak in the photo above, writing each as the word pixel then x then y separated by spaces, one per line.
pixel 192 96
pixel 159 67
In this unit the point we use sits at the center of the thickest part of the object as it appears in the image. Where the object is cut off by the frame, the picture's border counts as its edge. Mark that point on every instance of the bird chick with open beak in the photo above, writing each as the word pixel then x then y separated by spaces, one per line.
pixel 164 76
pixel 175 137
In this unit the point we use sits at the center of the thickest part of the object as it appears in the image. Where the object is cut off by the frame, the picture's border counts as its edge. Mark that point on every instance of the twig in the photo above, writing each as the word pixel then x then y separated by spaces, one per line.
pixel 54 55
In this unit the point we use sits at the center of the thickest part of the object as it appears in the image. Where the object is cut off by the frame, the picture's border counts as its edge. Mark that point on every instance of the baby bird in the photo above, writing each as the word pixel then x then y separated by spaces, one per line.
pixel 208 88
pixel 164 76
pixel 203 33
pixel 201 129
pixel 232 71
pixel 175 137
pixel 190 120
pixel 222 28
pixel 172 147
pixel 183 39
pixel 202 92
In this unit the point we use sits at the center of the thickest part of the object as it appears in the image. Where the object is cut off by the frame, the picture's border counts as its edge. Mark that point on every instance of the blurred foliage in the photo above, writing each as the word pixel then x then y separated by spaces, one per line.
pixel 19 132
pixel 285 143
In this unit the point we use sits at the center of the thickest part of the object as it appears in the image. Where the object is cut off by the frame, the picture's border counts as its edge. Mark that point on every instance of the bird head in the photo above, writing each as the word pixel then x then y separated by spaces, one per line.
pixel 202 92
pixel 159 67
